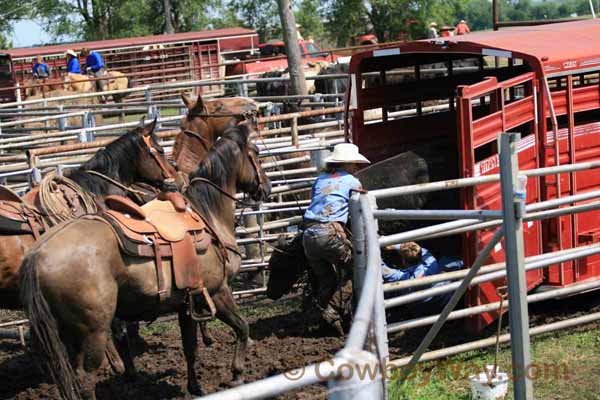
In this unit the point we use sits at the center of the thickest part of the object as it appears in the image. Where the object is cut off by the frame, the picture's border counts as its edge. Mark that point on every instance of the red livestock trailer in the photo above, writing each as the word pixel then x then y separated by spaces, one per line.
pixel 456 94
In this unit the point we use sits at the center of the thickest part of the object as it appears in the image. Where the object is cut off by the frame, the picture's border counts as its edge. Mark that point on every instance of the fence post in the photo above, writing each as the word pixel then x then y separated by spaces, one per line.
pixel 148 97
pixel 358 245
pixel 88 122
pixel 62 121
pixel 379 319
pixel 294 129
pixel 513 207
pixel 18 96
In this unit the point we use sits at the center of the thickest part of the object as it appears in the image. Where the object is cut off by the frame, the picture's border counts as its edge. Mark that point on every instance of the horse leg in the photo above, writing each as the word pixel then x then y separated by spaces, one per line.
pixel 189 340
pixel 121 338
pixel 88 360
pixel 207 337
pixel 228 312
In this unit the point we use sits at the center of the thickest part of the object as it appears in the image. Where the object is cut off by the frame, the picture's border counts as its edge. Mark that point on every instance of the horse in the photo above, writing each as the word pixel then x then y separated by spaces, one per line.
pixel 76 279
pixel 78 83
pixel 45 86
pixel 131 158
pixel 205 121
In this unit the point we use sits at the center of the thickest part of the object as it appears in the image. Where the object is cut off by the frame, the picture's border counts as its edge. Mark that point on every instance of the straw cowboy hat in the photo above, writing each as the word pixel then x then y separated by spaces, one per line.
pixel 433 24
pixel 346 153
pixel 71 53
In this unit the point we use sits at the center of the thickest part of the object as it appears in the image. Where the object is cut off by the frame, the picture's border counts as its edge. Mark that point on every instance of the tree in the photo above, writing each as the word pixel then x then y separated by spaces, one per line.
pixel 290 36
pixel 11 11
pixel 345 20
pixel 260 15
pixel 310 20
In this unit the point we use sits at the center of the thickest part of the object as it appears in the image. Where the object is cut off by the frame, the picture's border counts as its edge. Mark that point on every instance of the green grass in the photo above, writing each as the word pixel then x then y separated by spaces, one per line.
pixel 164 112
pixel 565 366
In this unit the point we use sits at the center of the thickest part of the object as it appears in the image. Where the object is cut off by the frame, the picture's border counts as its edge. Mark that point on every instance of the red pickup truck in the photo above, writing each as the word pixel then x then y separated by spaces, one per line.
pixel 272 57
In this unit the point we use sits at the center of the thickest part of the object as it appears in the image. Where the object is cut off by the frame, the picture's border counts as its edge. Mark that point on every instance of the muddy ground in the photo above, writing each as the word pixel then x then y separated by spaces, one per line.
pixel 283 339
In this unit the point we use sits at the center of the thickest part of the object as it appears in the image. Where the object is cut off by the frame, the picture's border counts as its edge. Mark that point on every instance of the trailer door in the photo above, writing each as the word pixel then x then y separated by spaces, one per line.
pixel 484 110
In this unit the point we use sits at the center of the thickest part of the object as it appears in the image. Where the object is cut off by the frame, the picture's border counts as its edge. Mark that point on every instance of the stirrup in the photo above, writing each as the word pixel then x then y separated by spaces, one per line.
pixel 206 305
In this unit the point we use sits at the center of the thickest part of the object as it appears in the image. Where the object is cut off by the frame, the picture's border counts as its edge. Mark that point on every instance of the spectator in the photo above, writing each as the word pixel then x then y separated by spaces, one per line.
pixel 432 31
pixel 73 66
pixel 462 28
pixel 40 69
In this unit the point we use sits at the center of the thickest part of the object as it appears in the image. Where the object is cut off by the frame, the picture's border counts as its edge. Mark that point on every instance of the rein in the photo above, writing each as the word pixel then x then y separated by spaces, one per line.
pixel 223 192
pixel 114 182
pixel 155 155
pixel 203 140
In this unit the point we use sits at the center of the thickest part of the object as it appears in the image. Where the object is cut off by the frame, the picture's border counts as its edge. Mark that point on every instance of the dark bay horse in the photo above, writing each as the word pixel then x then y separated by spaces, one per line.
pixel 75 280
pixel 204 123
pixel 134 157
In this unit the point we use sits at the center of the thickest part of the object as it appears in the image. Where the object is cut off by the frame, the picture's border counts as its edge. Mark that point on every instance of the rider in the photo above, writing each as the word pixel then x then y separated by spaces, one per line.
pixel 462 28
pixel 94 65
pixel 432 31
pixel 73 66
pixel 40 69
pixel 327 249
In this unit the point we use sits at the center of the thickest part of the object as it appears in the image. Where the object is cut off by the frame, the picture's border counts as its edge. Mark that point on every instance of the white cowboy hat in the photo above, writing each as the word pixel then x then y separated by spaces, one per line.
pixel 433 24
pixel 71 52
pixel 346 153
pixel 462 21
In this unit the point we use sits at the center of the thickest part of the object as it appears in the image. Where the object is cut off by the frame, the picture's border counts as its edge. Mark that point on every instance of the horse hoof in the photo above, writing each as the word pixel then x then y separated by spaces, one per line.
pixel 236 382
pixel 195 390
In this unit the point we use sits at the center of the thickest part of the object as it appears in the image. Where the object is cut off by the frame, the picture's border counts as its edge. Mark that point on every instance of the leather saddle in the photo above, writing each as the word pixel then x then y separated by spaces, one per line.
pixel 20 216
pixel 163 229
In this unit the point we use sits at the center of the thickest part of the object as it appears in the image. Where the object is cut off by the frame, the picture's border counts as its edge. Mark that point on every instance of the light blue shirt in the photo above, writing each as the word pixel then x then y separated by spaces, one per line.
pixel 330 195
pixel 429 265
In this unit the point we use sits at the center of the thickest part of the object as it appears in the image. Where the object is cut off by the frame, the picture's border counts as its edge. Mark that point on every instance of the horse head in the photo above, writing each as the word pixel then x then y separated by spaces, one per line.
pixel 286 266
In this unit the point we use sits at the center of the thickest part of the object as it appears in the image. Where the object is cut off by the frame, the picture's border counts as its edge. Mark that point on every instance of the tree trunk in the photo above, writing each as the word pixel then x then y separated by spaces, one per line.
pixel 290 36
pixel 168 21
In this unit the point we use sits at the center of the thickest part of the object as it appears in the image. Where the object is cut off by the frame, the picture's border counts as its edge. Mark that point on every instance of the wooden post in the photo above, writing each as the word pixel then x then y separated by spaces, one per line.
pixel 295 132
pixel 290 37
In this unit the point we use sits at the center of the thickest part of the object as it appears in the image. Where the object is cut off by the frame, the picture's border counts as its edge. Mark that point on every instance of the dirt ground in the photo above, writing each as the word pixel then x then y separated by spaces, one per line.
pixel 283 339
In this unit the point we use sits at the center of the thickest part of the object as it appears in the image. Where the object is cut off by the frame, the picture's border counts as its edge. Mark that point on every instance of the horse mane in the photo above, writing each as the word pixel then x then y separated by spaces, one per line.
pixel 115 161
pixel 218 166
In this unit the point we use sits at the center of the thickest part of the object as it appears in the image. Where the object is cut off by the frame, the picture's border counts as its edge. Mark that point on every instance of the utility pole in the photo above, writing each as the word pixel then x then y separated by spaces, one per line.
pixel 168 21
pixel 292 48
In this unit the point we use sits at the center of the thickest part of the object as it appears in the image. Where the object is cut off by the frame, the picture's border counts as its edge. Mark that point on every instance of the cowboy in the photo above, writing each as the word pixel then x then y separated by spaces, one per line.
pixel 40 69
pixel 411 261
pixel 94 65
pixel 73 66
pixel 432 31
pixel 327 249
pixel 462 28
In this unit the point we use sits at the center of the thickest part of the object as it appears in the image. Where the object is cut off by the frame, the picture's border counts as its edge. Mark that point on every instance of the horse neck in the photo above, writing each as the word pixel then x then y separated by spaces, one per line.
pixel 114 164
pixel 188 152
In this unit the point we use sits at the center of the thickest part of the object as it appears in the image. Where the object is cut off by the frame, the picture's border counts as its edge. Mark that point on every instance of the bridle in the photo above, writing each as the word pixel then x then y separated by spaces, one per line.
pixel 256 168
pixel 162 165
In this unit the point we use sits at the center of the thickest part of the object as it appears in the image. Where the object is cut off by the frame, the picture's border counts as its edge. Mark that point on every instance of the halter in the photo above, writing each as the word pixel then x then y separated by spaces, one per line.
pixel 157 158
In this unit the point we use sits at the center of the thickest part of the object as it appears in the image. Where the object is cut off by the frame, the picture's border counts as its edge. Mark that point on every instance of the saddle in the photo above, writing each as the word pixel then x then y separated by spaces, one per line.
pixel 164 228
pixel 20 216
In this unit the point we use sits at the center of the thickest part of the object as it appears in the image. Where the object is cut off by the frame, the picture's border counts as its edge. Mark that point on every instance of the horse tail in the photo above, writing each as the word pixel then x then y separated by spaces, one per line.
pixel 45 330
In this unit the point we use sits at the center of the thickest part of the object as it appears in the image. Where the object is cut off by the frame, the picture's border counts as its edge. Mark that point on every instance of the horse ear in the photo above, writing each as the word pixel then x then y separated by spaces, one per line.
pixel 199 103
pixel 149 129
pixel 189 103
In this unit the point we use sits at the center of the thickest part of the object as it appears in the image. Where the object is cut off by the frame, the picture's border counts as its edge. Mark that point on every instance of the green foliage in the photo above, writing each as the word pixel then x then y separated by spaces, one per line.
pixel 11 11
pixel 310 20
pixel 346 19
pixel 262 15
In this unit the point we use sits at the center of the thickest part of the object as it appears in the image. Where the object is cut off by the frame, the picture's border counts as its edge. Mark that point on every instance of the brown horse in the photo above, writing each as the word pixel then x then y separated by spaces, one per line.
pixel 131 158
pixel 76 279
pixel 77 83
pixel 204 123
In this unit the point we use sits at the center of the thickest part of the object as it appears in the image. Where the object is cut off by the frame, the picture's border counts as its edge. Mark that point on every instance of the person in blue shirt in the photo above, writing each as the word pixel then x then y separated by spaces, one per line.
pixel 327 249
pixel 40 69
pixel 73 66
pixel 417 262
pixel 94 65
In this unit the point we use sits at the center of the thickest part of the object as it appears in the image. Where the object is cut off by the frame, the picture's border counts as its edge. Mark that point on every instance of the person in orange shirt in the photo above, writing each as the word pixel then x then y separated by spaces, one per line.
pixel 462 28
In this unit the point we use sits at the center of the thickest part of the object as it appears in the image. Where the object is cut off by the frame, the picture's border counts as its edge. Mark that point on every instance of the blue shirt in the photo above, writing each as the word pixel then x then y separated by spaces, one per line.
pixel 330 195
pixel 41 69
pixel 73 66
pixel 94 61
pixel 429 265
